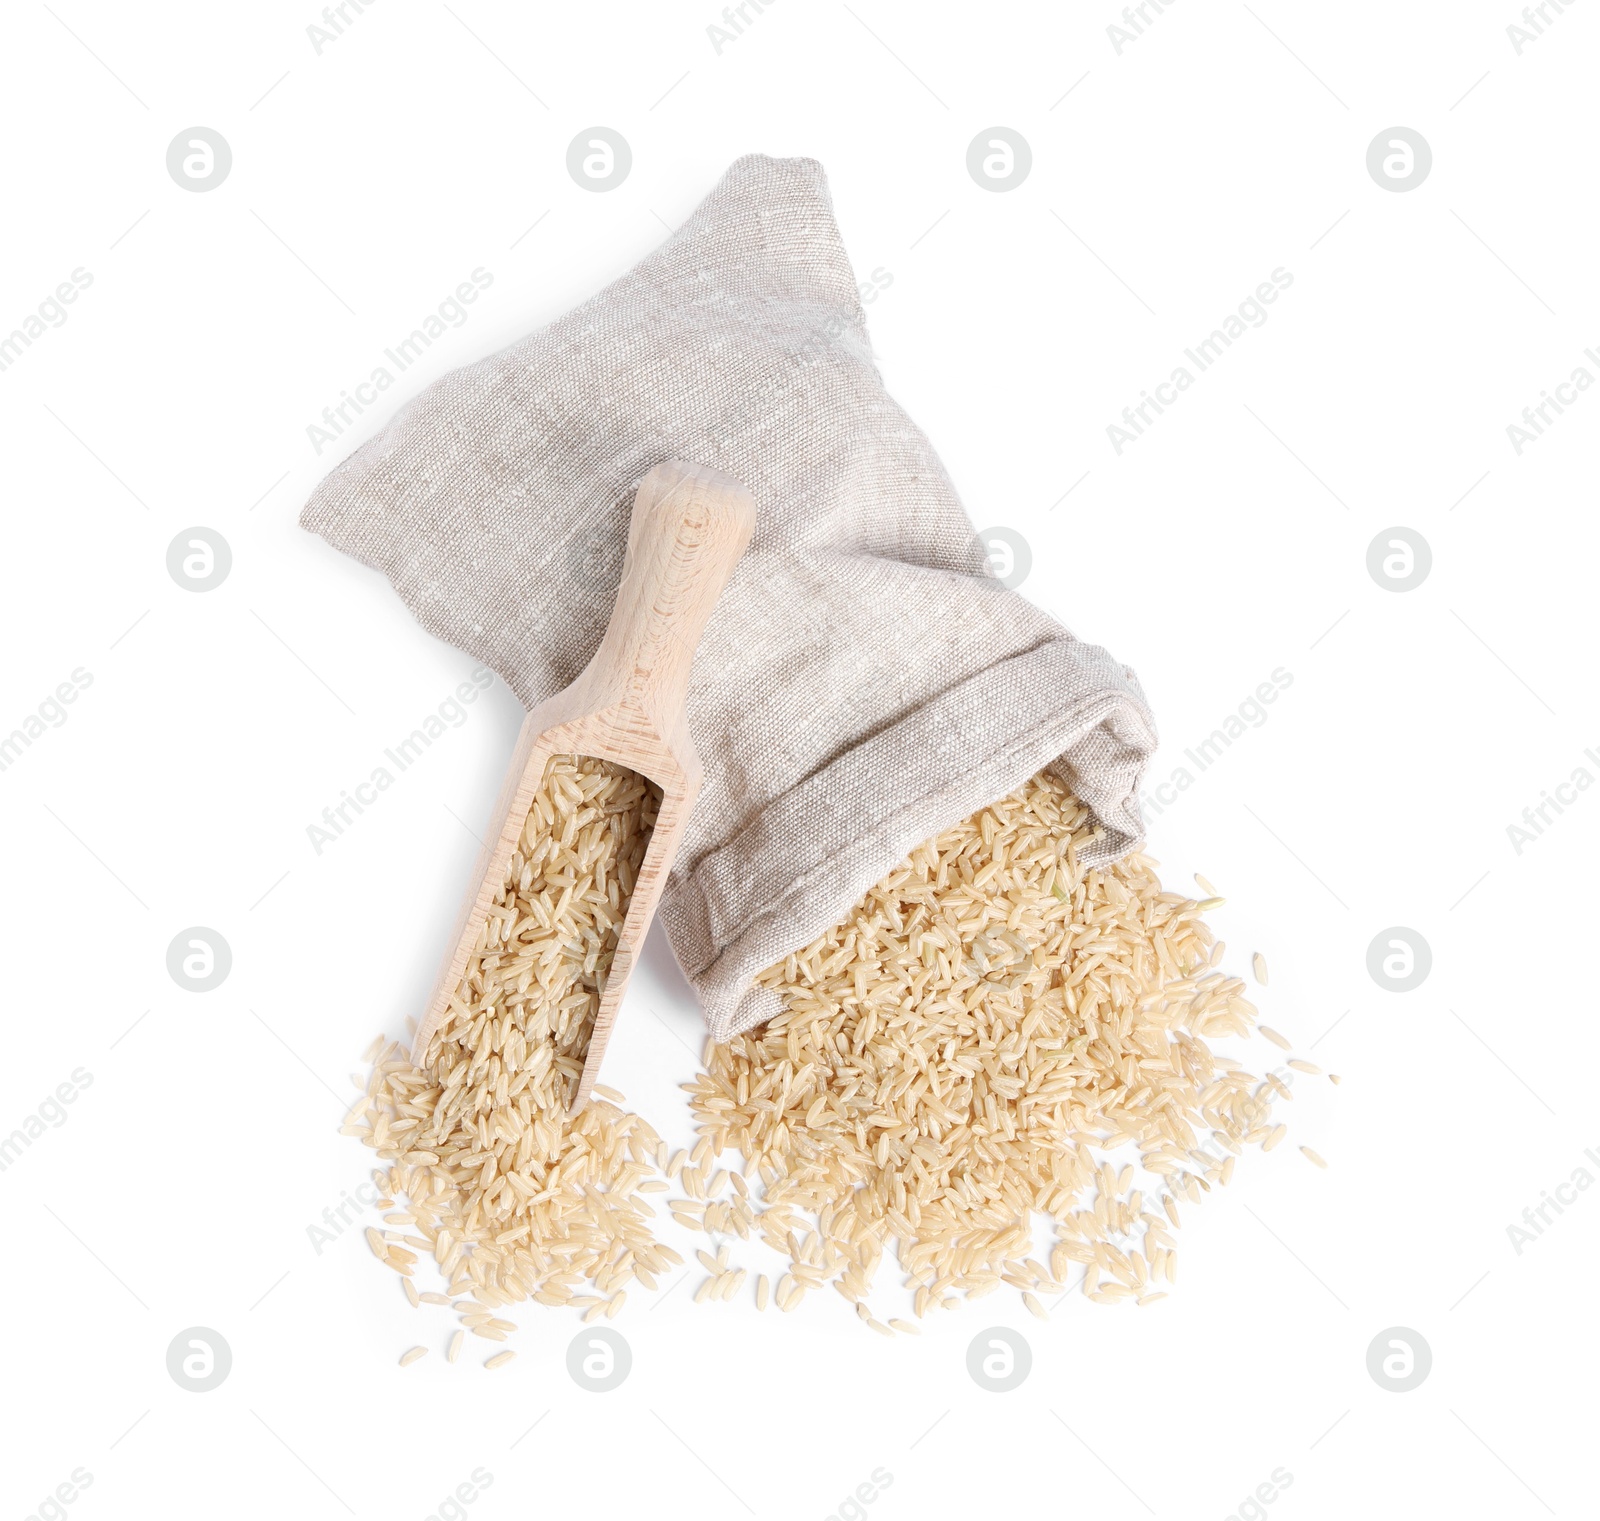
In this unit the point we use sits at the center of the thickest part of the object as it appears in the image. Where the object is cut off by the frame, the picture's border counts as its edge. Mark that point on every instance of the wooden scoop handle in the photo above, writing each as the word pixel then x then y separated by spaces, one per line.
pixel 690 525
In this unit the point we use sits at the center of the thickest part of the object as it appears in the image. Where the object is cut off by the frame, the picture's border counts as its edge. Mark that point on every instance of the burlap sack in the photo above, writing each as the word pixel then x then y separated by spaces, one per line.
pixel 865 681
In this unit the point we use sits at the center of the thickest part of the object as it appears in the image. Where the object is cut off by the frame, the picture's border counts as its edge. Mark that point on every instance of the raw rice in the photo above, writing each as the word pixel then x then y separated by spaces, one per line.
pixel 957 1055
pixel 966 1051
pixel 512 1197
pixel 411 1354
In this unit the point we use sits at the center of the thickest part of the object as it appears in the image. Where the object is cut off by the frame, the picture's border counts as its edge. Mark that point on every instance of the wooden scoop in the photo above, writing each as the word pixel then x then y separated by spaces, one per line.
pixel 690 525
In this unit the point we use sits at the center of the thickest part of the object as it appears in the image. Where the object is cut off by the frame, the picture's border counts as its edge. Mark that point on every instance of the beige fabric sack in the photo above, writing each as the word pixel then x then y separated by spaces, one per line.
pixel 865 681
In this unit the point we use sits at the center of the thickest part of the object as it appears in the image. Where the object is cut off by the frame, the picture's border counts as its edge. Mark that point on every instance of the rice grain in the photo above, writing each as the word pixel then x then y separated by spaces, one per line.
pixel 962 1052
pixel 512 1196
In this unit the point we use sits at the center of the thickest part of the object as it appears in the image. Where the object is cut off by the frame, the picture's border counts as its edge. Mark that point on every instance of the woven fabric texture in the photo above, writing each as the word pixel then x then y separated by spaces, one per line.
pixel 865 681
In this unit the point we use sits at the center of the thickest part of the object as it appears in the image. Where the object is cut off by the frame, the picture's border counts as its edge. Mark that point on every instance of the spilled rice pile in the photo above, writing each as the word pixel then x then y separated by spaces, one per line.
pixel 966 1050
pixel 995 1036
pixel 487 1173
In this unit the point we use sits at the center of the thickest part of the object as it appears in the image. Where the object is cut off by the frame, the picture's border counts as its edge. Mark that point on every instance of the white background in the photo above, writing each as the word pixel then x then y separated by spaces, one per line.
pixel 1230 540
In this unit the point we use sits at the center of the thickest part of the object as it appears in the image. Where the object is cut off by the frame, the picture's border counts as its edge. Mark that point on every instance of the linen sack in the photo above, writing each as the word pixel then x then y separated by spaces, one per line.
pixel 866 679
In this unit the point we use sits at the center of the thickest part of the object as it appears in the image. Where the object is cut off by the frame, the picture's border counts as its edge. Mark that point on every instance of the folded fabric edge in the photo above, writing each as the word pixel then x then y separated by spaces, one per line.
pixel 1108 734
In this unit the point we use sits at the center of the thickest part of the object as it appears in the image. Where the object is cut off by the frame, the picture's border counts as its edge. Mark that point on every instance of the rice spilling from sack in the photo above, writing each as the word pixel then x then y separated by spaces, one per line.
pixel 995 1036
pixel 512 1197
pixel 966 1052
